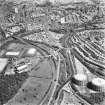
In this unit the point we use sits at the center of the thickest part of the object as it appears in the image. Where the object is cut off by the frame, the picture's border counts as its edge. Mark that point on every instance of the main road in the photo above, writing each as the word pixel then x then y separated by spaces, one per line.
pixel 64 55
pixel 72 67
pixel 59 74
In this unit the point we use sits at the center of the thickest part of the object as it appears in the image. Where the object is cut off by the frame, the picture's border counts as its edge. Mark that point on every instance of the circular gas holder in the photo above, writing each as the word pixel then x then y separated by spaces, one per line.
pixel 32 72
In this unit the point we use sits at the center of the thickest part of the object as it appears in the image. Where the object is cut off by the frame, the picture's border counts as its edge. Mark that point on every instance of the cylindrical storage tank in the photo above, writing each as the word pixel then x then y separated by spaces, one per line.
pixel 79 79
pixel 97 84
pixel 31 51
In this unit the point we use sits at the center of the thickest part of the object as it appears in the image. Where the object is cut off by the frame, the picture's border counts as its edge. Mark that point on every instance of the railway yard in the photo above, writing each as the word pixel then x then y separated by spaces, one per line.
pixel 52 54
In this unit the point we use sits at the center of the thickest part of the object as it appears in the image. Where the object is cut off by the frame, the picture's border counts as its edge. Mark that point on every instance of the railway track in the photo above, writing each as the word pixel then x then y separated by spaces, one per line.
pixel 69 44
pixel 69 63
pixel 68 57
pixel 41 47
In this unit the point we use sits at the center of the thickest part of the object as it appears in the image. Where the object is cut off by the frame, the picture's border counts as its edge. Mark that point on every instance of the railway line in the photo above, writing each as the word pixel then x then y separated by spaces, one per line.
pixel 62 56
pixel 69 21
pixel 44 54
pixel 74 49
pixel 69 44
pixel 72 71
pixel 41 47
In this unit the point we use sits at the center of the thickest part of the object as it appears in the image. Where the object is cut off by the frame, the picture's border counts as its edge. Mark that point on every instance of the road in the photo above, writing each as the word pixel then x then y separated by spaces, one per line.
pixel 45 53
pixel 63 54
pixel 69 46
pixel 45 49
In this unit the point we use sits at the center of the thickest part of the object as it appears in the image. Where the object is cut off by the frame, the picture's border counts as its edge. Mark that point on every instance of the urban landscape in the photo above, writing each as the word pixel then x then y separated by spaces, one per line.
pixel 52 52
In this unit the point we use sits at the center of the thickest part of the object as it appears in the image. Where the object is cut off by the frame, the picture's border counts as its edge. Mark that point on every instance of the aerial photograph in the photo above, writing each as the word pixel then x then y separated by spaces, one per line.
pixel 52 52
